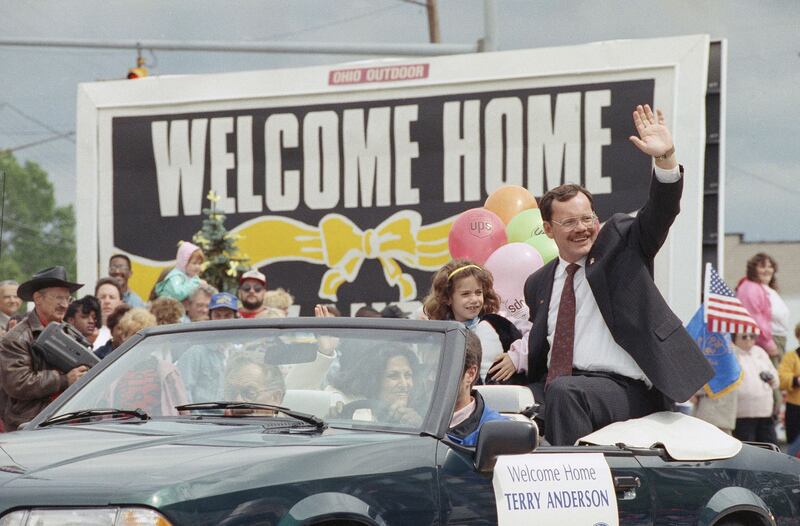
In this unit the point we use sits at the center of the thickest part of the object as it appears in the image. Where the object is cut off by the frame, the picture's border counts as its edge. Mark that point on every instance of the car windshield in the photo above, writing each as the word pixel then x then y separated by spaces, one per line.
pixel 348 377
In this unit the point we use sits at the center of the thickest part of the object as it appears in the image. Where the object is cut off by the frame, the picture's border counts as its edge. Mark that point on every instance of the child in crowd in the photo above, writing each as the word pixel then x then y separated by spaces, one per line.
pixel 789 373
pixel 183 280
pixel 463 291
pixel 279 299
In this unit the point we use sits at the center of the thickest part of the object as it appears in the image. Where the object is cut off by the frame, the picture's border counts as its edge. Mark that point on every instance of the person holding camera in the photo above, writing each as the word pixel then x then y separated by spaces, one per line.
pixel 755 402
pixel 28 381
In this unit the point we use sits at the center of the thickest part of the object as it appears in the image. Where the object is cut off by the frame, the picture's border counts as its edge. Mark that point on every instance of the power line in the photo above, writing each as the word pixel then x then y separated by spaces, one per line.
pixel 415 2
pixel 763 179
pixel 337 22
pixel 64 135
pixel 33 119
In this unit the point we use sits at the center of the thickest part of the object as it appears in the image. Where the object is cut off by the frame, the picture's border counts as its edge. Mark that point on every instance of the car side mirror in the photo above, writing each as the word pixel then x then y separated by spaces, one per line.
pixel 504 437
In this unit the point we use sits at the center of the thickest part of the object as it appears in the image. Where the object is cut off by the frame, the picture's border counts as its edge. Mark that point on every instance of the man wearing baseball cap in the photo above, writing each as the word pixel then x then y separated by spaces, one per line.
pixel 252 289
pixel 223 306
pixel 29 382
pixel 202 368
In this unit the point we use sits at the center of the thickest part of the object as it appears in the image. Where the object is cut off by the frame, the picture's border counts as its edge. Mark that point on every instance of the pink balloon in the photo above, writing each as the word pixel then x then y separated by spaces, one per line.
pixel 510 266
pixel 475 234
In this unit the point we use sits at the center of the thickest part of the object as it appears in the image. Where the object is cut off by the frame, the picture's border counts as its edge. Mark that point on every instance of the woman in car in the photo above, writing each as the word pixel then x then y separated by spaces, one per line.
pixel 386 378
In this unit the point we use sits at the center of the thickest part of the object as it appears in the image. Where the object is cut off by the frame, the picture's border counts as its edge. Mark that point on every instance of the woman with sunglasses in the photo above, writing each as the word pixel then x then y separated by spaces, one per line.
pixel 754 403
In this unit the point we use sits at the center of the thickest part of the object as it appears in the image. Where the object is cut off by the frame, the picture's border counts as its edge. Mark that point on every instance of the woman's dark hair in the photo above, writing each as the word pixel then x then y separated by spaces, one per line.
pixel 85 305
pixel 367 312
pixel 362 369
pixel 116 315
pixel 153 294
pixel 752 268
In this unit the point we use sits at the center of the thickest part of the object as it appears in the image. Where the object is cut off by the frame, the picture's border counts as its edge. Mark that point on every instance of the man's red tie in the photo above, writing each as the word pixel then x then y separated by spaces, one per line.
pixel 564 337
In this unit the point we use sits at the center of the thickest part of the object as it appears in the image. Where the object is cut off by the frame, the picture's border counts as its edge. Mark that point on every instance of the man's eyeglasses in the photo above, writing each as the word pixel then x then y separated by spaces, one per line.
pixel 571 223
pixel 122 267
pixel 247 287
pixel 58 298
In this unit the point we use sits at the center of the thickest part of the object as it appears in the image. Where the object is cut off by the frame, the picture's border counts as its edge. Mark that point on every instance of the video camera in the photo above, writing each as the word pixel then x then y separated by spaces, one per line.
pixel 64 348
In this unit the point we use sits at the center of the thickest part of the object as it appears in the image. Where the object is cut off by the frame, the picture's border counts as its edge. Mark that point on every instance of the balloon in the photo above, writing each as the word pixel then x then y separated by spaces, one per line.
pixel 525 225
pixel 510 266
pixel 475 234
pixel 508 201
pixel 545 246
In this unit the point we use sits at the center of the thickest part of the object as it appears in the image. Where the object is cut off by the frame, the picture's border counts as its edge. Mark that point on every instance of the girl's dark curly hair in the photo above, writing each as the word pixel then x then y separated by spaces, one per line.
pixel 437 303
pixel 752 268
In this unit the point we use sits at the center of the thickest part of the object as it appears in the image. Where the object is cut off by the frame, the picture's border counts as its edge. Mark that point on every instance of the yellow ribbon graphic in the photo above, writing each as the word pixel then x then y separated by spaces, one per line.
pixel 337 243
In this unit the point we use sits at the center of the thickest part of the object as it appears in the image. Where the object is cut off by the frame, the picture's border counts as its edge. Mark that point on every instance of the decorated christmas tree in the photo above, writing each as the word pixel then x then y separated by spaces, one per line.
pixel 223 263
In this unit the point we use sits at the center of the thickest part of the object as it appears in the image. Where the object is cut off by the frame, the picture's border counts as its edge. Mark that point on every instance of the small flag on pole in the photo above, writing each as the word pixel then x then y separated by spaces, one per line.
pixel 723 311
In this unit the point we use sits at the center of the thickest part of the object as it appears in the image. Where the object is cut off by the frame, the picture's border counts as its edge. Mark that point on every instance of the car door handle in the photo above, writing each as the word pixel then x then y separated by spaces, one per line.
pixel 626 482
pixel 626 485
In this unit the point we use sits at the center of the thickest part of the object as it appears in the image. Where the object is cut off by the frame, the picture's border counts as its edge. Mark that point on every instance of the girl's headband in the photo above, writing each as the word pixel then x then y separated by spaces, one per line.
pixel 459 269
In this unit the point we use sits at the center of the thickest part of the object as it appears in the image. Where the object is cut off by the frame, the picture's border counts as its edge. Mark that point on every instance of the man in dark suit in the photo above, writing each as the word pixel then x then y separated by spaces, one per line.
pixel 604 345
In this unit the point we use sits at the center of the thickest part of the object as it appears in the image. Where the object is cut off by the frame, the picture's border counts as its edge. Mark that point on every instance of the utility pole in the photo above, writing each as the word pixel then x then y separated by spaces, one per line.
pixel 433 22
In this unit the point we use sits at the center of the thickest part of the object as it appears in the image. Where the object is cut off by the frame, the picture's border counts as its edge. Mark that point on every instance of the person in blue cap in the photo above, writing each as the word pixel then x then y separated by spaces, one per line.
pixel 202 367
pixel 223 306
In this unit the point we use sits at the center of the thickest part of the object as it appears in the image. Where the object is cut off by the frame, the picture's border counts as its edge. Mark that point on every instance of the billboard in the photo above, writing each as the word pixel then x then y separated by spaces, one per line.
pixel 343 181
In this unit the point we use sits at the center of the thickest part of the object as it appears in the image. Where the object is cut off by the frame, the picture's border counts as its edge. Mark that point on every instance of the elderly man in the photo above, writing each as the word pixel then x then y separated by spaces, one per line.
pixel 119 268
pixel 252 289
pixel 29 382
pixel 196 304
pixel 9 302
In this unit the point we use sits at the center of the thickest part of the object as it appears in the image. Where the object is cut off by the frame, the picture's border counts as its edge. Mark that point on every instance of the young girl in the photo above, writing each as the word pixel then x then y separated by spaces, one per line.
pixel 463 291
pixel 182 281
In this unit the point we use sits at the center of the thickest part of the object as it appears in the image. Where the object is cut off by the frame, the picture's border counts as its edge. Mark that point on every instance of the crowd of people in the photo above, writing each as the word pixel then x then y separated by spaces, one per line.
pixel 600 345
pixel 768 394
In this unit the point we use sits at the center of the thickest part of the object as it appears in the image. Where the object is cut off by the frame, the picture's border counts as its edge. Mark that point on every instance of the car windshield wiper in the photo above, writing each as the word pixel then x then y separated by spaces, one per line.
pixel 89 413
pixel 303 417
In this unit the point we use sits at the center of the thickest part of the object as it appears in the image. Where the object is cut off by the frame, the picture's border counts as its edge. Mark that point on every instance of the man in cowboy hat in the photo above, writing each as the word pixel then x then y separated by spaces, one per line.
pixel 27 380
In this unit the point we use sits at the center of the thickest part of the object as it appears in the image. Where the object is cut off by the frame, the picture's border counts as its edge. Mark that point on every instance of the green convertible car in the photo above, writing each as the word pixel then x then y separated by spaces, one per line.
pixel 341 421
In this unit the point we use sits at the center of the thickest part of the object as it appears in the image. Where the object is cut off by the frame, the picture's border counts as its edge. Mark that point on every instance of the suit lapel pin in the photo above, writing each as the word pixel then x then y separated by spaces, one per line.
pixel 591 261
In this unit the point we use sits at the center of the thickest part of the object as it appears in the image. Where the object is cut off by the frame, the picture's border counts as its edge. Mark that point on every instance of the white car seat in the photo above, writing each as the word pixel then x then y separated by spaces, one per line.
pixel 509 400
pixel 311 401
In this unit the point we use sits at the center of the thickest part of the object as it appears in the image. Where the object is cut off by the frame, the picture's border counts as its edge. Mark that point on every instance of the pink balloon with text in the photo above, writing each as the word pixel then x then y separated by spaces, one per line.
pixel 475 234
pixel 510 266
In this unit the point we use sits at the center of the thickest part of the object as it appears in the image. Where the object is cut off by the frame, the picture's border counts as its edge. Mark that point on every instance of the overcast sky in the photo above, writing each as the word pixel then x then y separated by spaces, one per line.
pixel 38 85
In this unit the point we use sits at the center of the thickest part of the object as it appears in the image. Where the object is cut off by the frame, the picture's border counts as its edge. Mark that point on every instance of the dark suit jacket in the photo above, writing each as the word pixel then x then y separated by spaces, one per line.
pixel 619 269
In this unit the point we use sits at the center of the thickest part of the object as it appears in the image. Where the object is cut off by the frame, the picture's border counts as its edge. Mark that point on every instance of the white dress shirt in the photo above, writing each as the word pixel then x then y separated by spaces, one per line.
pixel 594 348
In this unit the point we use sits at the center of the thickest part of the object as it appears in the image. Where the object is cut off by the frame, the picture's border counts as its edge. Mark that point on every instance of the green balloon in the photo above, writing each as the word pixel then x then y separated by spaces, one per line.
pixel 545 246
pixel 525 225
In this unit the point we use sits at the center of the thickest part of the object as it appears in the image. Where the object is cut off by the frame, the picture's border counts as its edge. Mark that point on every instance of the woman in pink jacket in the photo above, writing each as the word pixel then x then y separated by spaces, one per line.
pixel 758 293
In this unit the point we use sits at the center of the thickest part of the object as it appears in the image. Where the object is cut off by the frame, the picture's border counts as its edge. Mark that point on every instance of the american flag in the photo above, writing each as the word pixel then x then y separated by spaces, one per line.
pixel 723 310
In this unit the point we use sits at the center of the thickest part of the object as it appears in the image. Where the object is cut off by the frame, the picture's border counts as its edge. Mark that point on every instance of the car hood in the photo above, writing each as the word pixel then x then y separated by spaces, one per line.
pixel 157 462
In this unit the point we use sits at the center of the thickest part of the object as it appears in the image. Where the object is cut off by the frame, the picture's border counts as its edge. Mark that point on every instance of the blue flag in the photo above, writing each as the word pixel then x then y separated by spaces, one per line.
pixel 716 347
